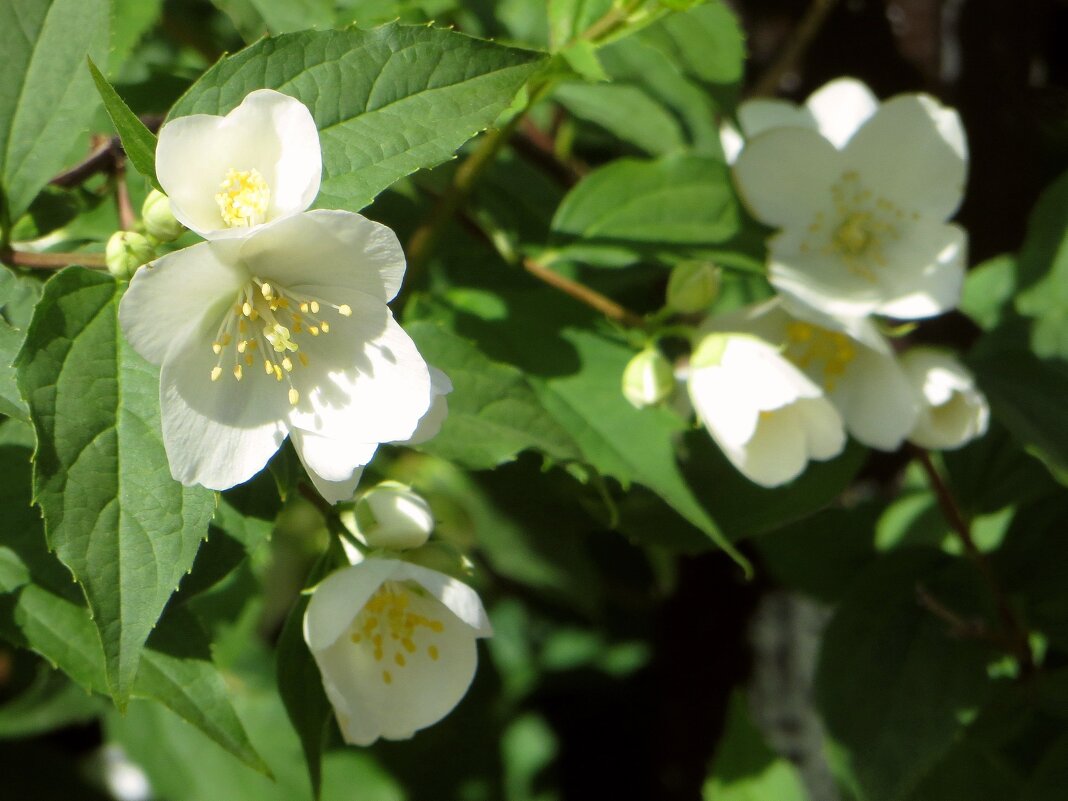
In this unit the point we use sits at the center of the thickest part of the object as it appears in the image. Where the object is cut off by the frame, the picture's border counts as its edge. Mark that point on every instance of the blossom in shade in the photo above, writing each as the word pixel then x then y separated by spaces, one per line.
pixel 225 176
pixel 395 644
pixel 848 358
pixel 767 417
pixel 953 410
pixel 283 332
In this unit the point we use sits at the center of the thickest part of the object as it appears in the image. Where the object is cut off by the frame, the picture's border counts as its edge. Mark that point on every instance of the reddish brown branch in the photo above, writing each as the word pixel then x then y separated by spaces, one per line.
pixel 50 261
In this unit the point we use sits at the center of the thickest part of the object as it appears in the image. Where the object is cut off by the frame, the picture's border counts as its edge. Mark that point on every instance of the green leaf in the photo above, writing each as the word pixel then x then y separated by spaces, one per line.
pixel 745 769
pixel 115 517
pixel 301 685
pixel 387 102
pixel 18 295
pixel 893 687
pixel 1051 776
pixel 569 18
pixel 988 290
pixel 1043 272
pixel 1027 396
pixel 45 94
pixel 576 371
pixel 969 772
pixel 493 411
pixel 130 21
pixel 138 142
pixel 679 204
pixel 626 112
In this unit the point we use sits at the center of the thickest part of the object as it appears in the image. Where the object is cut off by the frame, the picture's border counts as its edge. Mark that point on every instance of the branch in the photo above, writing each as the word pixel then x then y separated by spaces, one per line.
pixel 1014 631
pixel 796 46
pixel 101 159
pixel 584 294
pixel 50 261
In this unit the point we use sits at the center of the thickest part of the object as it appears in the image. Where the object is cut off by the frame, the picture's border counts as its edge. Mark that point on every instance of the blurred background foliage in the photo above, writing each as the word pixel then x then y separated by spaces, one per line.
pixel 632 661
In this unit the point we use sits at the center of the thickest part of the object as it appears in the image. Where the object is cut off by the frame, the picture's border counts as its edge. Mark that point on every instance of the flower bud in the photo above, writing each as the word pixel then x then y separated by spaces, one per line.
pixel 125 252
pixel 693 286
pixel 647 379
pixel 159 221
pixel 392 516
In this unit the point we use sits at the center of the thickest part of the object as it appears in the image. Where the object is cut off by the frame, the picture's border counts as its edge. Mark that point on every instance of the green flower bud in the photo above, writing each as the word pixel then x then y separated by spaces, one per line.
pixel 648 379
pixel 392 516
pixel 125 252
pixel 693 286
pixel 159 221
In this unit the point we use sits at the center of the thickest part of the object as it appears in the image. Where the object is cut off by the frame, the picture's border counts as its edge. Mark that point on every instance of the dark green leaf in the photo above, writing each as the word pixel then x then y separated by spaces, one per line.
pixel 1043 272
pixel 52 701
pixel 127 530
pixel 493 411
pixel 387 102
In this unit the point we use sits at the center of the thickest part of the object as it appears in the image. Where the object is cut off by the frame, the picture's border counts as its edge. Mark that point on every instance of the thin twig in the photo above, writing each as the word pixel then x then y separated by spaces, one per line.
pixel 960 626
pixel 1015 632
pixel 798 43
pixel 50 261
pixel 127 217
pixel 538 146
pixel 100 159
pixel 584 294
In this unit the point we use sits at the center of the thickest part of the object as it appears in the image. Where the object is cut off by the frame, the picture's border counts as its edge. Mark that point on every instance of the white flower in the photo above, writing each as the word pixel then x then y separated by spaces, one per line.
pixel 836 110
pixel 395 643
pixel 767 417
pixel 283 332
pixel 863 226
pixel 848 358
pixel 226 175
pixel 954 411
pixel 391 515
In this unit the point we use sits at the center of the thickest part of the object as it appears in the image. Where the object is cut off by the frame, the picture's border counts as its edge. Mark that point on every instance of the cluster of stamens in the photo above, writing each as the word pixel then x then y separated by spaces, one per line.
pixel 858 229
pixel 267 321
pixel 390 628
pixel 808 345
pixel 243 198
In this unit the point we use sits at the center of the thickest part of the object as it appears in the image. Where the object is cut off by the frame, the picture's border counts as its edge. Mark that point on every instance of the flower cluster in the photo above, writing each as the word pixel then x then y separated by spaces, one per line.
pixel 277 325
pixel 859 194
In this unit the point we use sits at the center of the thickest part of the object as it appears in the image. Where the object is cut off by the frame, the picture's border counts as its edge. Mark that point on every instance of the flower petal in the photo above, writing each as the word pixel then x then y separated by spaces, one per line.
pixel 340 596
pixel 365 381
pixel 431 422
pixel 840 107
pixel 876 400
pixel 334 467
pixel 925 271
pixel 324 249
pixel 776 453
pixel 217 433
pixel 913 152
pixel 460 599
pixel 173 295
pixel 784 174
pixel 953 410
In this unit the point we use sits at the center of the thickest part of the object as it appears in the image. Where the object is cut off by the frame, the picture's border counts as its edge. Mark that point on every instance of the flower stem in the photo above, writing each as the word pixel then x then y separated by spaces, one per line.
pixel 796 46
pixel 50 261
pixel 1014 631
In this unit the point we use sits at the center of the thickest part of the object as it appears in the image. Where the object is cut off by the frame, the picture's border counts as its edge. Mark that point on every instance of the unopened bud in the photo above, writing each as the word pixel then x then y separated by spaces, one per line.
pixel 693 286
pixel 647 379
pixel 392 516
pixel 159 221
pixel 125 252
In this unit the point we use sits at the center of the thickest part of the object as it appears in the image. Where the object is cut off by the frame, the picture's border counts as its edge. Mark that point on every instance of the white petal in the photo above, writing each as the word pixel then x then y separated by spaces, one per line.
pixel 324 249
pixel 824 434
pixel 431 422
pixel 268 131
pixel 334 467
pixel 340 596
pixel 783 175
pixel 925 271
pixel 173 295
pixel 365 381
pixel 840 108
pixel 876 400
pixel 776 454
pixel 461 599
pixel 730 418
pixel 217 433
pixel 912 152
